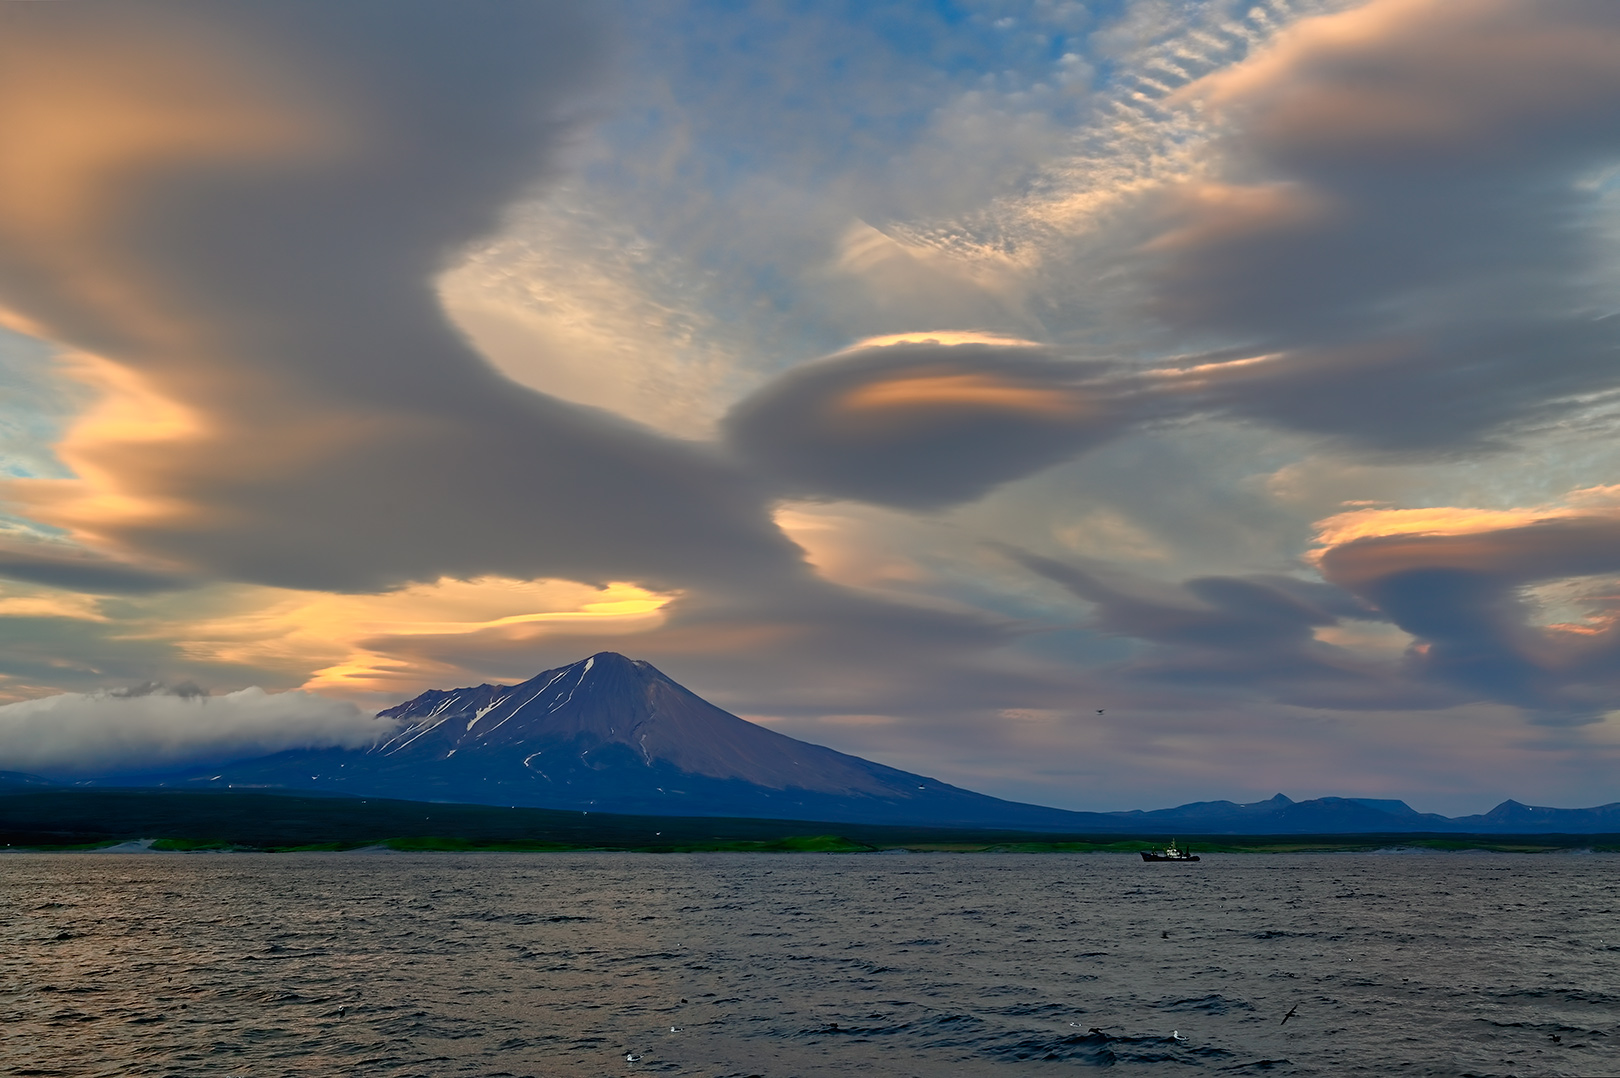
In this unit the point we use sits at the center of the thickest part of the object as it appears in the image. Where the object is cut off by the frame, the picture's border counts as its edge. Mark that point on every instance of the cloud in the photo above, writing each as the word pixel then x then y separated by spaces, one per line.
pixel 573 300
pixel 237 224
pixel 1518 607
pixel 74 735
pixel 1447 82
pixel 921 420
pixel 1396 218
pixel 1424 391
pixel 1383 247
pixel 879 280
pixel 1463 583
pixel 82 571
pixel 1263 635
pixel 350 641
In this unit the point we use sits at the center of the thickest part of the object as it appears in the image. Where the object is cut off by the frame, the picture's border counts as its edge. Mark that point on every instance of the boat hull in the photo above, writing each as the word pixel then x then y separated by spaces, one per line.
pixel 1146 856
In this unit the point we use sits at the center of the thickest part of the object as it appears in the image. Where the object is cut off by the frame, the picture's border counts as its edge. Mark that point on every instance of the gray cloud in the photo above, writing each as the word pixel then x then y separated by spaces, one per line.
pixel 1396 217
pixel 44 654
pixel 290 177
pixel 294 314
pixel 77 571
pixel 1462 597
pixel 922 423
pixel 74 735
pixel 185 690
pixel 1428 390
pixel 1247 635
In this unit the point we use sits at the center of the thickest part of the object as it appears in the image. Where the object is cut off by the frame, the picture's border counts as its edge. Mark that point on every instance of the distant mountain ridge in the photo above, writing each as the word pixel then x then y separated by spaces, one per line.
pixel 613 734
pixel 1365 815
pixel 23 780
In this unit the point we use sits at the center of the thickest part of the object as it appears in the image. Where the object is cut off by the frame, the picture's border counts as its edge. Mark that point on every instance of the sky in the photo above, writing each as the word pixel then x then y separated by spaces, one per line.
pixel 1105 405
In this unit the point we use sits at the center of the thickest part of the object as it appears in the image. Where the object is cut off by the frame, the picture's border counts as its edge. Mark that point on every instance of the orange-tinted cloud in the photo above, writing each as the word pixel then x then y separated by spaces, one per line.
pixel 1461 581
pixel 234 214
pixel 1424 78
pixel 1392 210
pixel 351 641
pixel 923 420
pixel 94 110
pixel 922 391
pixel 1521 546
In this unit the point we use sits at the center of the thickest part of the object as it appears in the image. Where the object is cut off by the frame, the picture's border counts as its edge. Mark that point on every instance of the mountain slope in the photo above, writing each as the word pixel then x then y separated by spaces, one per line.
pixel 616 735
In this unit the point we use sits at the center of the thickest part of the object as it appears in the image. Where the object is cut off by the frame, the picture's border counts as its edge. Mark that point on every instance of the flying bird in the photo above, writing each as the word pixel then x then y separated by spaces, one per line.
pixel 1289 1015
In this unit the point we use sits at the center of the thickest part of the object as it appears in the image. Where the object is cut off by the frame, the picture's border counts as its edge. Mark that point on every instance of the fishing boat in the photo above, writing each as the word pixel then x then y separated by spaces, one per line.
pixel 1169 853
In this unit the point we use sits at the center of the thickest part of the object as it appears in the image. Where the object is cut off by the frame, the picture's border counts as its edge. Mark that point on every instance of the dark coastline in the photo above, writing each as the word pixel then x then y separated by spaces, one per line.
pixel 260 820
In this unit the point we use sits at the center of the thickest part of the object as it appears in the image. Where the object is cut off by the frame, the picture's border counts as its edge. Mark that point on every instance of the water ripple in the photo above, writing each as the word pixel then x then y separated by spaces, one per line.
pixel 732 965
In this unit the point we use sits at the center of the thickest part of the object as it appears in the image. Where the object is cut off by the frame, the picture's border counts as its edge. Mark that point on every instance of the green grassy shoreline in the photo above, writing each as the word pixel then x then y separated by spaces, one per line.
pixel 69 819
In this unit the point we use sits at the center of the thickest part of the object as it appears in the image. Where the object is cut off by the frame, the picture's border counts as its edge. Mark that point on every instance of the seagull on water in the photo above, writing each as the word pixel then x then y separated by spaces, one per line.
pixel 631 1057
pixel 1175 1035
pixel 1291 1012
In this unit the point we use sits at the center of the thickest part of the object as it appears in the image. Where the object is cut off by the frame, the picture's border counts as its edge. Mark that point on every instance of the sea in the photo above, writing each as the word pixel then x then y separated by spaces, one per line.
pixel 592 964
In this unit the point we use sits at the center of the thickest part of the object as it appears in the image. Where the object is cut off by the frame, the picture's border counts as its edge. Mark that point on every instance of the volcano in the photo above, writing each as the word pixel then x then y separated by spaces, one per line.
pixel 613 734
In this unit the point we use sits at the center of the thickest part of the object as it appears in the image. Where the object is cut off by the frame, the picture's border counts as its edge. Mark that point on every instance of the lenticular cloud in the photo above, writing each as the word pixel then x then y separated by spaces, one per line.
pixel 78 735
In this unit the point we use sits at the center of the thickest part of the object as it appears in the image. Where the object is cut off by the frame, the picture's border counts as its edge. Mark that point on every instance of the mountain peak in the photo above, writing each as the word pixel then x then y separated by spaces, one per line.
pixel 606 692
pixel 613 662
pixel 614 657
pixel 613 733
pixel 611 707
